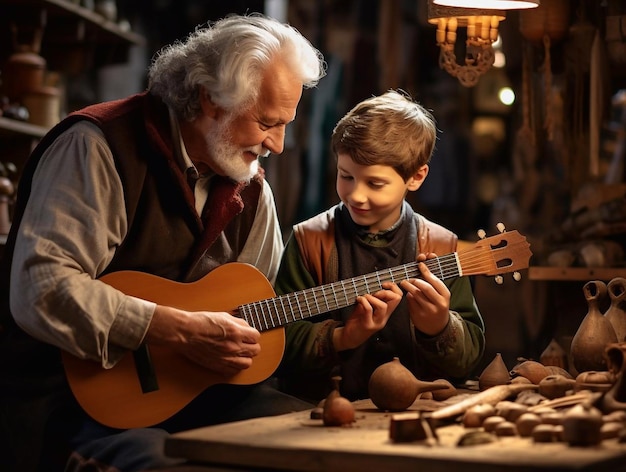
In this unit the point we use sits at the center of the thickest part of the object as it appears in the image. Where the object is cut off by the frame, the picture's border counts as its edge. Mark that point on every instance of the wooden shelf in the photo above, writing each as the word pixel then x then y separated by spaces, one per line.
pixel 75 39
pixel 9 126
pixel 107 31
pixel 575 273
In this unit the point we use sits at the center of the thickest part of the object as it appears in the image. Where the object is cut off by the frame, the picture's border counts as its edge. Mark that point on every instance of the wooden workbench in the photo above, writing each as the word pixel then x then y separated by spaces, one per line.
pixel 295 442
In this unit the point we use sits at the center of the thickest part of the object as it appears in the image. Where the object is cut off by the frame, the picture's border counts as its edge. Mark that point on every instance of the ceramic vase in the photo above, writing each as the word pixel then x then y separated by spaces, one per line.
pixel 616 313
pixel 594 333
pixel 393 387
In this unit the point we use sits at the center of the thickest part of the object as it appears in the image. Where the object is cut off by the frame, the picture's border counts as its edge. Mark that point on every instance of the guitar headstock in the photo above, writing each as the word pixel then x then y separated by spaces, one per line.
pixel 502 253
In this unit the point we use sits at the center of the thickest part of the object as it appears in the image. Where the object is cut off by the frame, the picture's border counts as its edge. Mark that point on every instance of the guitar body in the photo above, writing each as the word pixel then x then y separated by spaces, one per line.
pixel 114 396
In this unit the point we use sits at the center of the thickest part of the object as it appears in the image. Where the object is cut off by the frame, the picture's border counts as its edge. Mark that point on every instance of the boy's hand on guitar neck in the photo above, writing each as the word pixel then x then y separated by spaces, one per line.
pixel 369 316
pixel 218 341
pixel 428 300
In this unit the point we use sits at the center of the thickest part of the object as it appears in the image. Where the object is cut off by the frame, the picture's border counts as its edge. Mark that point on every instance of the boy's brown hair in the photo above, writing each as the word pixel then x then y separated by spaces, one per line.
pixel 390 129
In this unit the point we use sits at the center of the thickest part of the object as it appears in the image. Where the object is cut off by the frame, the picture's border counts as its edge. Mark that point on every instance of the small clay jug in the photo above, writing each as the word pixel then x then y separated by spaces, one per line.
pixel 496 373
pixel 616 313
pixel 393 387
pixel 594 333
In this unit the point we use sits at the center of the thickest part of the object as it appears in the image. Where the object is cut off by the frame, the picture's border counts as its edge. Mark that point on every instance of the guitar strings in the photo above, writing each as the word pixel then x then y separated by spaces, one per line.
pixel 278 311
pixel 306 303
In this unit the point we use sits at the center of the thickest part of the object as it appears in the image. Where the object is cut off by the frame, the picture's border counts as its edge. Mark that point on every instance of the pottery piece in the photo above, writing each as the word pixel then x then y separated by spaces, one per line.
pixel 393 387
pixel 555 386
pixel 496 373
pixel 615 398
pixel 532 370
pixel 554 355
pixel 616 312
pixel 444 393
pixel 594 333
pixel 23 73
pixel 594 381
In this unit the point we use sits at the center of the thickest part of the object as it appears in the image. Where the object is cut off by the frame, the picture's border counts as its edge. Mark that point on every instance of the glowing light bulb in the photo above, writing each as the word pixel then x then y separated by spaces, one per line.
pixel 506 95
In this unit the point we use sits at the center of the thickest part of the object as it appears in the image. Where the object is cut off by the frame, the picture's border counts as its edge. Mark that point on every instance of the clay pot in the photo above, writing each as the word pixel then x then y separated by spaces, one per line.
pixel 44 106
pixel 393 387
pixel 596 381
pixel 594 333
pixel 616 313
pixel 496 373
pixel 532 370
pixel 555 386
pixel 554 355
pixel 337 410
pixel 23 73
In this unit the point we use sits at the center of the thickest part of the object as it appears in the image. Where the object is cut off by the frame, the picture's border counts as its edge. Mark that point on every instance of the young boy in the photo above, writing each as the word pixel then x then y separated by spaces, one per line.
pixel 383 147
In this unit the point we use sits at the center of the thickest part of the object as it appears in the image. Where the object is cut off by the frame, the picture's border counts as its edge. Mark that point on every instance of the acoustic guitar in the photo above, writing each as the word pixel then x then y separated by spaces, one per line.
pixel 151 385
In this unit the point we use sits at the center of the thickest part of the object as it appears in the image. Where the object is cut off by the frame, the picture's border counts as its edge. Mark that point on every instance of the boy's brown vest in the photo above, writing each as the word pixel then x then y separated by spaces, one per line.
pixel 316 240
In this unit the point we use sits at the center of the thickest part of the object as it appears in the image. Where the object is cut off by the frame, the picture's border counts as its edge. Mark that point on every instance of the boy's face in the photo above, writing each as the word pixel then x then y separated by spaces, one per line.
pixel 374 194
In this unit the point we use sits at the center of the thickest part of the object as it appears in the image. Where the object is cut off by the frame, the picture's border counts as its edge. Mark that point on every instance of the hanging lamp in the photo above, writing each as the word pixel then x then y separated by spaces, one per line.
pixel 482 32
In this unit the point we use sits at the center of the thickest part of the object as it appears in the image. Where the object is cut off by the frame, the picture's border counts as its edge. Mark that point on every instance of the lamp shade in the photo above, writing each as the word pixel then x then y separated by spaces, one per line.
pixel 436 12
pixel 490 4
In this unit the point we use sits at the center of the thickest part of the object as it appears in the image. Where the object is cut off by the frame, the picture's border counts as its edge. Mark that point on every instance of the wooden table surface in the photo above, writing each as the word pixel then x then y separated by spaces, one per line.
pixel 296 442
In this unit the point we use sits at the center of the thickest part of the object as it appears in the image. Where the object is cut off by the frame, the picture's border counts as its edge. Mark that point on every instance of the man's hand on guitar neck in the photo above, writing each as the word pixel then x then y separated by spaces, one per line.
pixel 216 340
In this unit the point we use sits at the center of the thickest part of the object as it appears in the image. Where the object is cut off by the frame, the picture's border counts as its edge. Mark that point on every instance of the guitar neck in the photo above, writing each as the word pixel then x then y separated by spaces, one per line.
pixel 279 311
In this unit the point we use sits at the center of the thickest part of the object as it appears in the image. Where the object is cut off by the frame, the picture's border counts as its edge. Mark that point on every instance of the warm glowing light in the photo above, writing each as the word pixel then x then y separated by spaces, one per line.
pixel 506 96
pixel 491 4
pixel 499 60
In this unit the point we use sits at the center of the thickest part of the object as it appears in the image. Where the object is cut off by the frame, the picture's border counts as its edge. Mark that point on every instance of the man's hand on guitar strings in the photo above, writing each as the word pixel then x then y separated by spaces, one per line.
pixel 216 340
pixel 226 344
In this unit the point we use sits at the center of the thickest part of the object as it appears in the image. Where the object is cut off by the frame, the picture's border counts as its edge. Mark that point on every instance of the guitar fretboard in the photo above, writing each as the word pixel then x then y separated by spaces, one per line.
pixel 279 311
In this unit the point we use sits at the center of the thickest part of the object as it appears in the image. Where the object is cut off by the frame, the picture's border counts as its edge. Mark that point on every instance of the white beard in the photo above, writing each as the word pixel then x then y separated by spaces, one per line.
pixel 229 158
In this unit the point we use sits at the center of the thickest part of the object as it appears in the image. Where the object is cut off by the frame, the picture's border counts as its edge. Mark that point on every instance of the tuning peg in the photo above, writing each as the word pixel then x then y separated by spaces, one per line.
pixel 517 276
pixel 501 227
pixel 481 233
pixel 499 280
